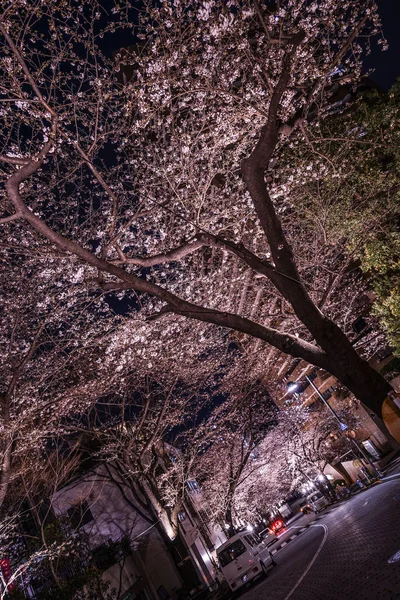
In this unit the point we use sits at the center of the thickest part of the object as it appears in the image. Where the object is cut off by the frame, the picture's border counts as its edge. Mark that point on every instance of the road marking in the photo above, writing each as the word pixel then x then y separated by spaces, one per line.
pixel 394 558
pixel 397 475
pixel 293 536
pixel 274 551
pixel 296 585
pixel 303 529
pixel 283 544
pixel 366 502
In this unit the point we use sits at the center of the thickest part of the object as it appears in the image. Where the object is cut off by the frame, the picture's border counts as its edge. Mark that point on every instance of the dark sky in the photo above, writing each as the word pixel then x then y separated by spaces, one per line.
pixel 386 65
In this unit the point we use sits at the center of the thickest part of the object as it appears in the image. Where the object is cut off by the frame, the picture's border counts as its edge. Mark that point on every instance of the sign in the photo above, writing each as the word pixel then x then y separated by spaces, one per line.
pixel 371 449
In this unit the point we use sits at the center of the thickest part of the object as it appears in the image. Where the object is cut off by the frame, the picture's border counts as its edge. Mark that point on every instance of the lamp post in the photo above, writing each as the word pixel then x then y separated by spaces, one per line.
pixel 292 386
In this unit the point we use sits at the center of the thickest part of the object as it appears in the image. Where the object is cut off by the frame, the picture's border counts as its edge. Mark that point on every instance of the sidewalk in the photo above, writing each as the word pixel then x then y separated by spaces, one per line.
pixel 393 467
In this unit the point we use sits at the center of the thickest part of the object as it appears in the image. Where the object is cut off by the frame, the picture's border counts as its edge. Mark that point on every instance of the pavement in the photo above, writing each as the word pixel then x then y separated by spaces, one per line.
pixel 349 551
pixel 393 468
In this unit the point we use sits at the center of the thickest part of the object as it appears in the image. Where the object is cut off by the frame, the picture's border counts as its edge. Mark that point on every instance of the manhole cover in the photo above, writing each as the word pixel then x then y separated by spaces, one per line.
pixel 394 558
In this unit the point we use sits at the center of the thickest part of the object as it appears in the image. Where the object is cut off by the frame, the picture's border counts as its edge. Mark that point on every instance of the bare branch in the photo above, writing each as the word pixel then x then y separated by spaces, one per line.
pixel 13 217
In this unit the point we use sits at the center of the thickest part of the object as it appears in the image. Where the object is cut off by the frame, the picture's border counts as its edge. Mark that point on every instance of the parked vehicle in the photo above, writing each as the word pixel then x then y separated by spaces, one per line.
pixel 268 536
pixel 277 525
pixel 285 510
pixel 243 558
pixel 317 501
pixel 305 508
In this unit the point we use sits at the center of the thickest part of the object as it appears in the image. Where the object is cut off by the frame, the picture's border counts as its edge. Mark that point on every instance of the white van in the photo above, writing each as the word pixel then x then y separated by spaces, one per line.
pixel 243 558
pixel 317 501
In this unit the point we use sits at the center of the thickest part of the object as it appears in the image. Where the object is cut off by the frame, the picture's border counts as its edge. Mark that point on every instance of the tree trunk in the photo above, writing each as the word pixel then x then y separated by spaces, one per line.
pixel 359 378
pixel 171 529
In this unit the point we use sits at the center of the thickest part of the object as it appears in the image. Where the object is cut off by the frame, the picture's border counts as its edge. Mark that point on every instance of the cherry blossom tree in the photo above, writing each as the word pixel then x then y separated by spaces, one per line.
pixel 157 184
pixel 257 473
pixel 353 193
pixel 48 553
pixel 51 363
pixel 130 434
pixel 239 426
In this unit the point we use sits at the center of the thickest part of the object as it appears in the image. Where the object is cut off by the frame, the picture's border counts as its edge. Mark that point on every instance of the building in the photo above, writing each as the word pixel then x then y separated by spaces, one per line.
pixel 200 534
pixel 311 382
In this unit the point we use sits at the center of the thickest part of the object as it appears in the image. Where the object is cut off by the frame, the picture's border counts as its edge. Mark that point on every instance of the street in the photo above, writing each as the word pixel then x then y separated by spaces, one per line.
pixel 349 551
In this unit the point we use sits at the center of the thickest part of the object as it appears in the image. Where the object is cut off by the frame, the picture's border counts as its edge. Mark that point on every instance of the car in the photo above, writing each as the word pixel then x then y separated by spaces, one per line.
pixel 317 501
pixel 277 525
pixel 268 536
pixel 243 558
pixel 305 508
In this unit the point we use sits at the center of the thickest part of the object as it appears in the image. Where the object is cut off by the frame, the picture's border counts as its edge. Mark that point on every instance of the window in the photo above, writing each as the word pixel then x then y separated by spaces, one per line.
pixel 250 539
pixel 80 515
pixel 328 392
pixel 359 325
pixel 107 555
pixel 193 486
pixel 231 552
pixel 316 496
pixel 181 518
pixel 313 375
pixel 162 593
pixel 103 557
pixel 383 354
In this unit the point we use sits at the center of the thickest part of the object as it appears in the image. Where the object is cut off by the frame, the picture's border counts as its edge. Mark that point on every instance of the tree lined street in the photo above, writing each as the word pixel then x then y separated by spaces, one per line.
pixel 199 291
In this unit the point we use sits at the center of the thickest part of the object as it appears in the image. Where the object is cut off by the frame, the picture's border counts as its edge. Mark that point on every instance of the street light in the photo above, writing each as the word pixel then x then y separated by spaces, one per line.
pixel 292 386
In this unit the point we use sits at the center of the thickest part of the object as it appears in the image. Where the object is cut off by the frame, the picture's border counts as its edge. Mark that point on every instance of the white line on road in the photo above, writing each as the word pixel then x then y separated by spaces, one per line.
pixel 394 558
pixel 283 544
pixel 391 476
pixel 303 529
pixel 312 562
pixel 274 551
pixel 293 536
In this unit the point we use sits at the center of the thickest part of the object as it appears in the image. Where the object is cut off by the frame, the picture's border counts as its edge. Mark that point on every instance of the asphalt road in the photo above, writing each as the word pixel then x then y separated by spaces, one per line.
pixel 348 553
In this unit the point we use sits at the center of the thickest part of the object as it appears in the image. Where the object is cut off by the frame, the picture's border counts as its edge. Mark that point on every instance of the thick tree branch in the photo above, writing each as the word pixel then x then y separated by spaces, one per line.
pixel 164 257
pixel 13 160
pixel 285 342
pixel 202 239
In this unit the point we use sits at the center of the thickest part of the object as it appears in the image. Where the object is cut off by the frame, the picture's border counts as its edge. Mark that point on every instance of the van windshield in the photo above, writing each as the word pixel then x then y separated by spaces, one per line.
pixel 231 552
pixel 316 496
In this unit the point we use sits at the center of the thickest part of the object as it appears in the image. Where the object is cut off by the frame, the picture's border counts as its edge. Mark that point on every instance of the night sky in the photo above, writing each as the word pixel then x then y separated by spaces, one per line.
pixel 386 65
